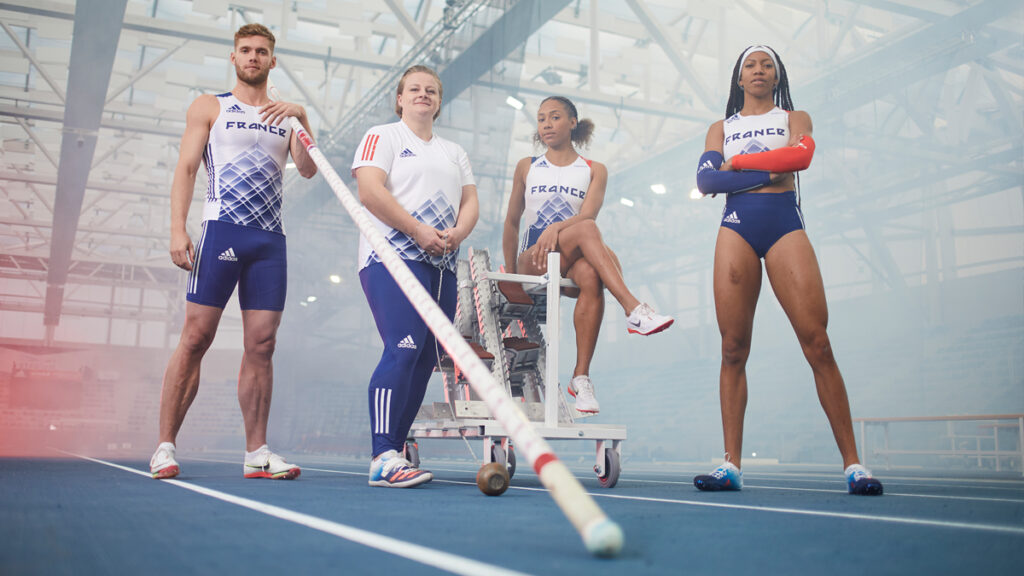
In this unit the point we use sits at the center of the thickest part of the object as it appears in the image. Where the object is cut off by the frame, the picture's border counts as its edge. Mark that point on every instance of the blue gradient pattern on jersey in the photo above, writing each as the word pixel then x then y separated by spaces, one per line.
pixel 553 210
pixel 436 212
pixel 250 191
pixel 754 146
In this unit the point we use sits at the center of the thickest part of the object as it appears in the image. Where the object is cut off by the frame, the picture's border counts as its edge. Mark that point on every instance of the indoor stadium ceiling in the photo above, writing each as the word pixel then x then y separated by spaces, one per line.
pixel 652 74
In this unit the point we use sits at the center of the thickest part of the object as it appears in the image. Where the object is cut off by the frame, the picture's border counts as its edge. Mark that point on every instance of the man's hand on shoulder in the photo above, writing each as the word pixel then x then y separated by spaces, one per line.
pixel 275 112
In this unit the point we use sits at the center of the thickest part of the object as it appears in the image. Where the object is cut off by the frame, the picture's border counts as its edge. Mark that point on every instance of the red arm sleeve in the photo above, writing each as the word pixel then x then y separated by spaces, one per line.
pixel 789 159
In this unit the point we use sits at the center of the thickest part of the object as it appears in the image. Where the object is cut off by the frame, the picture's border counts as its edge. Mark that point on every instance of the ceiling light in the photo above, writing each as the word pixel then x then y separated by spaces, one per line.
pixel 335 279
pixel 514 102
pixel 626 202
pixel 658 188
pixel 695 194
pixel 310 298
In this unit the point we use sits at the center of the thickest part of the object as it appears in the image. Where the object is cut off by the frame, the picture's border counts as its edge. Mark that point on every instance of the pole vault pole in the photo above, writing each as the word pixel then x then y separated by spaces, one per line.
pixel 601 535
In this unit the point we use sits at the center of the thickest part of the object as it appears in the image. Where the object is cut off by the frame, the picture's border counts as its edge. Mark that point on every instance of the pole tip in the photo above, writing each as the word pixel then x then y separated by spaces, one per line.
pixel 604 538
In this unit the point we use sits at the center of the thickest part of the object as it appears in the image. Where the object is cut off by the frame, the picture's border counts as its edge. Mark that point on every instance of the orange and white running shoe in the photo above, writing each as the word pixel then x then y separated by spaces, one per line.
pixel 390 470
pixel 582 389
pixel 163 465
pixel 265 464
pixel 645 321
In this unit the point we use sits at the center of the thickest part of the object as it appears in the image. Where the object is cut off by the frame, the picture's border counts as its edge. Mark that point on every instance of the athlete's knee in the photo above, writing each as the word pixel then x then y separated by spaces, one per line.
pixel 587 229
pixel 261 343
pixel 817 347
pixel 735 350
pixel 196 339
pixel 584 275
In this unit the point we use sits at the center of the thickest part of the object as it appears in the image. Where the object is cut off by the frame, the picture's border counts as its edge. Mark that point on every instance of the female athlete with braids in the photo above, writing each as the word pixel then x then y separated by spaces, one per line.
pixel 560 194
pixel 752 156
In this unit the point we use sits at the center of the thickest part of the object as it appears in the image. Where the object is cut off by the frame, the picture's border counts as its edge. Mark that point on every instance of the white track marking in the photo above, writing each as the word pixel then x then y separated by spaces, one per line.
pixel 1015 530
pixel 421 554
pixel 679 483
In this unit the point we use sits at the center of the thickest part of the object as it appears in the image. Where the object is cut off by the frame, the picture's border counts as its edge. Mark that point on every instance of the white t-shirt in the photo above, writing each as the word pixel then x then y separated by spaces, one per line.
pixel 245 159
pixel 553 193
pixel 757 133
pixel 425 178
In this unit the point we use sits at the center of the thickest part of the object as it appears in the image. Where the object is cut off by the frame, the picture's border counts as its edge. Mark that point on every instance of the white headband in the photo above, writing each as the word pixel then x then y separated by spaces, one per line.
pixel 758 48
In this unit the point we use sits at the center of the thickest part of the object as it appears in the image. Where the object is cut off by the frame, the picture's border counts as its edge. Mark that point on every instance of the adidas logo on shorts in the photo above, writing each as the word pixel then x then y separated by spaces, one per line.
pixel 407 154
pixel 407 343
pixel 236 109
pixel 732 218
pixel 228 255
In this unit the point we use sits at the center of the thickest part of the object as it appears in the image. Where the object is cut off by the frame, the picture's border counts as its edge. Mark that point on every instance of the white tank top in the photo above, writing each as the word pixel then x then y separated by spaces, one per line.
pixel 758 133
pixel 245 161
pixel 553 193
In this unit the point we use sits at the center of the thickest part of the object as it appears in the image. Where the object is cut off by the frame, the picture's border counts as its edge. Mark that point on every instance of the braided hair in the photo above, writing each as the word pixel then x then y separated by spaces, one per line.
pixel 781 91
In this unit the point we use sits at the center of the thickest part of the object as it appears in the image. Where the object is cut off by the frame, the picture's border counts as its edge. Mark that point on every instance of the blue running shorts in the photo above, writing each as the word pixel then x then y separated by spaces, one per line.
pixel 762 218
pixel 228 254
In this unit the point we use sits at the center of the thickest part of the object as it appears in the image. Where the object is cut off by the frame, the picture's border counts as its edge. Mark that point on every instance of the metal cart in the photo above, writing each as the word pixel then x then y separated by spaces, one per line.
pixel 501 316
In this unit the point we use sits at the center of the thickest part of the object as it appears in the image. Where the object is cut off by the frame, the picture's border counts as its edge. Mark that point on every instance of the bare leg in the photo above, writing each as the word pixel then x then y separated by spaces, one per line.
pixel 256 377
pixel 588 313
pixel 181 380
pixel 737 284
pixel 583 240
pixel 794 274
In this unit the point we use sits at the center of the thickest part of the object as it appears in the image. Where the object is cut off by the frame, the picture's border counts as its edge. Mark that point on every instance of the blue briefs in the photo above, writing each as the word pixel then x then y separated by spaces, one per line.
pixel 228 254
pixel 762 218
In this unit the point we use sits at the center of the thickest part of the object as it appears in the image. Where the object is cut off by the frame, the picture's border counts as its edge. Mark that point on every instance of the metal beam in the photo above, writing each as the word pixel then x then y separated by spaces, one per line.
pixel 405 19
pixel 662 36
pixel 37 113
pixel 93 47
pixel 31 58
pixel 507 33
pixel 890 67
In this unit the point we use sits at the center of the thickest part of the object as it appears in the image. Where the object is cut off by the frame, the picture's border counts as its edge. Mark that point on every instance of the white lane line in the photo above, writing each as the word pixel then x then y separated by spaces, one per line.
pixel 847 515
pixel 745 486
pixel 421 554
pixel 1015 530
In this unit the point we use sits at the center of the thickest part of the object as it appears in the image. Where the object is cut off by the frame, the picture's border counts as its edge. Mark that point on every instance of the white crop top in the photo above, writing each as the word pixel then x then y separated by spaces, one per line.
pixel 758 133
pixel 553 193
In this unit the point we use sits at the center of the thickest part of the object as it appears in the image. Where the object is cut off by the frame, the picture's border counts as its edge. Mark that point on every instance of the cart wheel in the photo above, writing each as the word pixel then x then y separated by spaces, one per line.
pixel 611 469
pixel 412 452
pixel 509 460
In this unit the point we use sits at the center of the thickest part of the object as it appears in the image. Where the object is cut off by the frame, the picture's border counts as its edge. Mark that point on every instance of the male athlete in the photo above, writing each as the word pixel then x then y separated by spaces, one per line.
pixel 244 140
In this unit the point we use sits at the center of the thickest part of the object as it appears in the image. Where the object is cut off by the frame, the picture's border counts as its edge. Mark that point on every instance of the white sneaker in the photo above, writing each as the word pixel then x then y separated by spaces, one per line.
pixel 644 320
pixel 582 389
pixel 391 470
pixel 163 465
pixel 265 464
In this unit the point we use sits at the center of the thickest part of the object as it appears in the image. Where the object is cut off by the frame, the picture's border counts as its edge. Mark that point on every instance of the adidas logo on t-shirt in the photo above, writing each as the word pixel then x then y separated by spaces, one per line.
pixel 236 108
pixel 228 255
pixel 406 154
pixel 407 343
pixel 732 218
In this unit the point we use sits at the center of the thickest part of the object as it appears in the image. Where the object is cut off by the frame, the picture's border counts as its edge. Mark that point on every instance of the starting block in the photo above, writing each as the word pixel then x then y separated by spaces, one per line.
pixel 512 322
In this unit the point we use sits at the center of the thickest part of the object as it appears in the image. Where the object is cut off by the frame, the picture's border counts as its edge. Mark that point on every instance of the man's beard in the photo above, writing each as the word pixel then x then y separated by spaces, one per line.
pixel 256 79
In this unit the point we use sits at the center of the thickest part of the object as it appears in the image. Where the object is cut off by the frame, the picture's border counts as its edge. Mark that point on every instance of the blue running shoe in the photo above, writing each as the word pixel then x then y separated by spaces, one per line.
pixel 725 477
pixel 392 471
pixel 860 482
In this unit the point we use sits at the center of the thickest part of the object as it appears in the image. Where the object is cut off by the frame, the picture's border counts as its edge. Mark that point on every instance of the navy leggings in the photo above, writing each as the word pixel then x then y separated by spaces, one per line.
pixel 400 380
